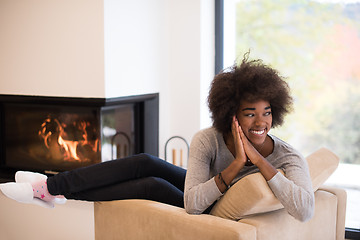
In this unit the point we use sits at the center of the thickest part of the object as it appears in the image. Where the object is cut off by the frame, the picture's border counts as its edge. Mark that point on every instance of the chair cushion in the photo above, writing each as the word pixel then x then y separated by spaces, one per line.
pixel 252 195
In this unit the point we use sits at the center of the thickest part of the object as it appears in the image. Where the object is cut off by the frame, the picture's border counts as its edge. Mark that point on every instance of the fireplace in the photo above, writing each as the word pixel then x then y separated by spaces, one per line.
pixel 54 134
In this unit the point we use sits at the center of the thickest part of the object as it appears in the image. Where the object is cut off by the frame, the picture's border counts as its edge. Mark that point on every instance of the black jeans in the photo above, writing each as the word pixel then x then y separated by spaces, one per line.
pixel 140 176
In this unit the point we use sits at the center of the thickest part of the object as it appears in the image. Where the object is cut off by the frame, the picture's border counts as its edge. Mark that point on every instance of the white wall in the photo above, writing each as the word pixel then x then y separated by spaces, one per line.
pixel 112 48
pixel 52 47
pixel 164 46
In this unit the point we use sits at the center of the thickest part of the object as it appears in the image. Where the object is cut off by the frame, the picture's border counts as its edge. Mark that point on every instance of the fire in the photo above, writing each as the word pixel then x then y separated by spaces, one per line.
pixel 69 140
pixel 70 148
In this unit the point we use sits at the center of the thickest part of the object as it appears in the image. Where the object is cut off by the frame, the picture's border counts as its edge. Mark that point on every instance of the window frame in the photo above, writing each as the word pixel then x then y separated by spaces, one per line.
pixel 219 35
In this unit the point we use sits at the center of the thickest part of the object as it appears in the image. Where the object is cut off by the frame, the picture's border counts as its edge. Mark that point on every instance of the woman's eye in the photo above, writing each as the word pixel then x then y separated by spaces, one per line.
pixel 250 115
pixel 267 113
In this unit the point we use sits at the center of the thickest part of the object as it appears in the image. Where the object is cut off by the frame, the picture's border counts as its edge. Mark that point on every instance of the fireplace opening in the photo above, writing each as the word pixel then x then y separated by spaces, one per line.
pixel 54 134
pixel 51 137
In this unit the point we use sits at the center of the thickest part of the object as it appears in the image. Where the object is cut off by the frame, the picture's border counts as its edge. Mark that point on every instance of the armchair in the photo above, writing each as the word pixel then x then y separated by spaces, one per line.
pixel 262 219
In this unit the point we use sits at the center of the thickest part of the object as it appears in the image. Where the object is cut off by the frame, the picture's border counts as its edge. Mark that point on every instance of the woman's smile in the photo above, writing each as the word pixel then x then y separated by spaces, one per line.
pixel 255 120
pixel 258 132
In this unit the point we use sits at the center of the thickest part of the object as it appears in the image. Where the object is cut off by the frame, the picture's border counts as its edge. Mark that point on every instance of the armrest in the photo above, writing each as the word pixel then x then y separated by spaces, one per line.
pixel 341 211
pixel 144 219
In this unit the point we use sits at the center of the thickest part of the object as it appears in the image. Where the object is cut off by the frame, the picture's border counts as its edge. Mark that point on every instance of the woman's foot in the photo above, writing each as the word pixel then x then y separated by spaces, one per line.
pixel 40 191
pixel 23 192
pixel 38 182
pixel 31 188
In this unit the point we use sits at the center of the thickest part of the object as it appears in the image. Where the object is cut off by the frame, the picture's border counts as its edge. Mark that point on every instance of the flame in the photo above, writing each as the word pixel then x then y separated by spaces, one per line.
pixel 58 140
pixel 70 148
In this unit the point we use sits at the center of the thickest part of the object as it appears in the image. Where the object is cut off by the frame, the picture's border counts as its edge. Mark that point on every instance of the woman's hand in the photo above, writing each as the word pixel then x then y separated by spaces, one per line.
pixel 247 147
pixel 266 169
pixel 228 174
pixel 240 154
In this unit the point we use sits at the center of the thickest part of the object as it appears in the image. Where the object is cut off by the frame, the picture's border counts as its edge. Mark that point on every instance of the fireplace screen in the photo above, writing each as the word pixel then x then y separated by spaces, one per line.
pixel 51 137
pixel 118 131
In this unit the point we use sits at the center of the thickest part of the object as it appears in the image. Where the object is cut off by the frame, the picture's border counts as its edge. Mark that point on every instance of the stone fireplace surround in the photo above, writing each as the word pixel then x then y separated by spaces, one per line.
pixel 145 125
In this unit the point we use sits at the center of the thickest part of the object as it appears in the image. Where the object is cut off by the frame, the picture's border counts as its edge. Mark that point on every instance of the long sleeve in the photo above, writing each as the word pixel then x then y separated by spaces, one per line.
pixel 294 190
pixel 200 187
pixel 297 201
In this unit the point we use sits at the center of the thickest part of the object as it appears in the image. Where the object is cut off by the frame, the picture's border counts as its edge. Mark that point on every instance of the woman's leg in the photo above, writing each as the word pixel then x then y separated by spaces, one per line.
pixel 150 188
pixel 107 174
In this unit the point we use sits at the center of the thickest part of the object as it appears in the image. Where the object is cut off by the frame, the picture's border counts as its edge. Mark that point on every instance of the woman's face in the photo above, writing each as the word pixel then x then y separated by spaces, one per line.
pixel 255 119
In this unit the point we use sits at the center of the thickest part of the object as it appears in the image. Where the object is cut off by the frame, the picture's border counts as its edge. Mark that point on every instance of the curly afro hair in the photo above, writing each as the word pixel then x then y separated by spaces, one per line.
pixel 250 81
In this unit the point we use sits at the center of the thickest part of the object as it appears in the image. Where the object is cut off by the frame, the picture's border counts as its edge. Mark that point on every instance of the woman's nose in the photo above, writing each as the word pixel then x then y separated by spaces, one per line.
pixel 259 121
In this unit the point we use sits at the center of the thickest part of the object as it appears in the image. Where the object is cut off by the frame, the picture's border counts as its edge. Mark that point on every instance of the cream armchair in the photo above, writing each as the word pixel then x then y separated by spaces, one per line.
pixel 142 219
pixel 262 219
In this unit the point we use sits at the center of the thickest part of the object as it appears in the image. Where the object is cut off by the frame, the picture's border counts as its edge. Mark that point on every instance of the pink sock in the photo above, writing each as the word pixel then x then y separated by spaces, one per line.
pixel 41 191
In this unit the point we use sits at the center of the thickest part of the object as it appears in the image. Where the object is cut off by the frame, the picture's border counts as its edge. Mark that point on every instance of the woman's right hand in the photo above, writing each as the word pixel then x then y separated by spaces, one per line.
pixel 228 174
pixel 240 154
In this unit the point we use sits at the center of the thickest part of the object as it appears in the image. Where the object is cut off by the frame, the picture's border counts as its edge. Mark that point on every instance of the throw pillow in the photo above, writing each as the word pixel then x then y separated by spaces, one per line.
pixel 252 195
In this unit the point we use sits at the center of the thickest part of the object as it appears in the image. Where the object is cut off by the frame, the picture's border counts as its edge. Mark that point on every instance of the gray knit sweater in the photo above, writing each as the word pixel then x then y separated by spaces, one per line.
pixel 209 156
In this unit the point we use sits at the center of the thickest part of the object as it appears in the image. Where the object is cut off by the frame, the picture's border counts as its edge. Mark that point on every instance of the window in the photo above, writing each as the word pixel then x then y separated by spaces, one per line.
pixel 316 46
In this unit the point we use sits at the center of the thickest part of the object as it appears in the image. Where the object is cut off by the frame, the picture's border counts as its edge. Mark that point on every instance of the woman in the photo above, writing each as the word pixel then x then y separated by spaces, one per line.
pixel 245 103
